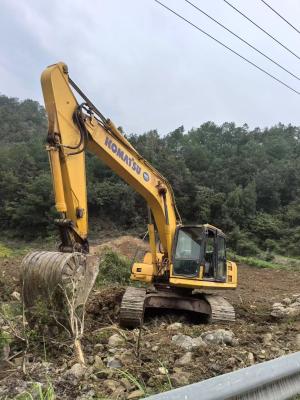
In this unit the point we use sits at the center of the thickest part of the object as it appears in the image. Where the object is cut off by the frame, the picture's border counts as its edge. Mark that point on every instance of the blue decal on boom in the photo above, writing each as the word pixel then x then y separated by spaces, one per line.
pixel 123 156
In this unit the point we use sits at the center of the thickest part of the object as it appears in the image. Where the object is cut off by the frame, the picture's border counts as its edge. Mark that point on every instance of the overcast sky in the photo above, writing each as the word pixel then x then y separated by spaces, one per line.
pixel 146 69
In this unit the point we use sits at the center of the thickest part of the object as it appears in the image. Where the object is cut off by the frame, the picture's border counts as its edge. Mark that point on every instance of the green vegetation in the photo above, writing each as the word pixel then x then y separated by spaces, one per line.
pixel 245 181
pixel 5 251
pixel 8 250
pixel 113 268
pixel 38 392
pixel 266 260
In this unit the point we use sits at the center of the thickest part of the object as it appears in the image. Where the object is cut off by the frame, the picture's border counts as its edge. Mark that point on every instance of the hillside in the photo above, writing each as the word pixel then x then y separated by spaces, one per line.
pixel 244 181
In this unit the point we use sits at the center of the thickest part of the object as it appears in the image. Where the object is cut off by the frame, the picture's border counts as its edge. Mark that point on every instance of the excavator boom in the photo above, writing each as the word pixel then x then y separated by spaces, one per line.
pixel 74 128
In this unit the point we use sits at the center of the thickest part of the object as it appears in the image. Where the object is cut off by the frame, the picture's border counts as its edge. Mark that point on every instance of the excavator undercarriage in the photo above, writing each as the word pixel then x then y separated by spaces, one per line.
pixel 137 300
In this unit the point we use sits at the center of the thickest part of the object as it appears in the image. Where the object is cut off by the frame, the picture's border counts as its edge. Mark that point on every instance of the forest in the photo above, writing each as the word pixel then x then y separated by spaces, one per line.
pixel 244 181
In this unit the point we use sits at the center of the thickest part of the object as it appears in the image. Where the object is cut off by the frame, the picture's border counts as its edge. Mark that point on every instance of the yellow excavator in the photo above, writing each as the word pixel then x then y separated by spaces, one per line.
pixel 184 261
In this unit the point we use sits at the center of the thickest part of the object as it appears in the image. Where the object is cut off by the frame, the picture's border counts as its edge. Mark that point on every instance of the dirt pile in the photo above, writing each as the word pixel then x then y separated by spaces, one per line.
pixel 129 246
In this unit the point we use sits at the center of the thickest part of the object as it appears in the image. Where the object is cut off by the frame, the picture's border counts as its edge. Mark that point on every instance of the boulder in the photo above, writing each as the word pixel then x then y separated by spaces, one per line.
pixel 77 371
pixel 113 362
pixel 180 379
pixel 16 296
pixel 187 342
pixel 250 358
pixel 186 359
pixel 286 301
pixel 127 384
pixel 219 336
pixel 267 339
pixel 163 371
pixel 297 341
pixel 126 357
pixel 176 326
pixel 98 363
pixel 116 340
pixel 136 394
pixel 113 386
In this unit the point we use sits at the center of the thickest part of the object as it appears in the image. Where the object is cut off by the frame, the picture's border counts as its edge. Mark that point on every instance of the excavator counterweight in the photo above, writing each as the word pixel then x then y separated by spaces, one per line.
pixel 183 262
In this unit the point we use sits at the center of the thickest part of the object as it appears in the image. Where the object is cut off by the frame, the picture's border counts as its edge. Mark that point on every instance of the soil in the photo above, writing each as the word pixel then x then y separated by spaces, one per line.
pixel 259 336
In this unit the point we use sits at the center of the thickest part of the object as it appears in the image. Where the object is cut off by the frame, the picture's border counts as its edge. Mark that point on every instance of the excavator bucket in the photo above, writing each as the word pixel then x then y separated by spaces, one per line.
pixel 60 282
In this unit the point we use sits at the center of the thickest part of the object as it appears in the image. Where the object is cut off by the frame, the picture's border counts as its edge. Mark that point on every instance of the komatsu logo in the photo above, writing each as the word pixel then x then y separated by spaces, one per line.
pixel 123 156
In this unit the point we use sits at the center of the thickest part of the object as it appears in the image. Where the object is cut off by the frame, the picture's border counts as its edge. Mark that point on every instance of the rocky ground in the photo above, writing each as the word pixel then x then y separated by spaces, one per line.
pixel 175 348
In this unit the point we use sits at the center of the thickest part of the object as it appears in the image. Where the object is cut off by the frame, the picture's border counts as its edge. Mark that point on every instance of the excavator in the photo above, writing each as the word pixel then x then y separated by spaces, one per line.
pixel 185 262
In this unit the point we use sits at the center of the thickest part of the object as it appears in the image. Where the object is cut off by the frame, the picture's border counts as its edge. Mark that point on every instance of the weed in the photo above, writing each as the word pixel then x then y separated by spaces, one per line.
pixel 134 380
pixel 167 374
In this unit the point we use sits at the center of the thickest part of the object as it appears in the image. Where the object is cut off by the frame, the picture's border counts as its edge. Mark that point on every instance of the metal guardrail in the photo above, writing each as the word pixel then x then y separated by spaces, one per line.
pixel 278 379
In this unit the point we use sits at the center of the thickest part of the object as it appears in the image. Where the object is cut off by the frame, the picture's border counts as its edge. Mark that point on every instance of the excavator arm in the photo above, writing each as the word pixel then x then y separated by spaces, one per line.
pixel 75 128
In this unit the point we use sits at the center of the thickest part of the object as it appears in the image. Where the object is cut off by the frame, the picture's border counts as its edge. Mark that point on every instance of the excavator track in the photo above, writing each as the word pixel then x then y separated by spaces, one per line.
pixel 136 300
pixel 133 307
pixel 221 309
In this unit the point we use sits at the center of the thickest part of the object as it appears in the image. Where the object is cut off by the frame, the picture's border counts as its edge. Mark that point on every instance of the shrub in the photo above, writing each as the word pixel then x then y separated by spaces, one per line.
pixel 113 268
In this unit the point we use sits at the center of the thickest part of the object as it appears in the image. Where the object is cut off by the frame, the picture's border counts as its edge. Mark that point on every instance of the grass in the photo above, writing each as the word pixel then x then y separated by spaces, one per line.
pixel 134 380
pixel 38 393
pixel 277 262
pixel 167 374
pixel 13 250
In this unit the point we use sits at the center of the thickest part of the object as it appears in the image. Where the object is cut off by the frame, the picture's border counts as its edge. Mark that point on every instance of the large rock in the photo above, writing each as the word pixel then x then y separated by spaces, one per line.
pixel 219 336
pixel 267 339
pixel 286 301
pixel 289 307
pixel 77 371
pixel 186 359
pixel 187 342
pixel 180 379
pixel 113 362
pixel 116 340
pixel 176 326
pixel 98 363
pixel 297 341
pixel 136 394
pixel 113 387
pixel 126 357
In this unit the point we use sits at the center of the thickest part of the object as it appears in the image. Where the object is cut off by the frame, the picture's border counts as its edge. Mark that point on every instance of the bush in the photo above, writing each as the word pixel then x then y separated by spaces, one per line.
pixel 113 268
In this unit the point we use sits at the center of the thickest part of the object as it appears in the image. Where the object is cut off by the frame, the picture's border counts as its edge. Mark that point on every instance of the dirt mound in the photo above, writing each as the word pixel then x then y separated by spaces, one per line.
pixel 128 246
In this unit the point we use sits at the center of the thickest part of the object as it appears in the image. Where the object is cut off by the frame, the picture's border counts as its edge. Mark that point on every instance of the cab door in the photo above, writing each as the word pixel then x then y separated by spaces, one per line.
pixel 221 267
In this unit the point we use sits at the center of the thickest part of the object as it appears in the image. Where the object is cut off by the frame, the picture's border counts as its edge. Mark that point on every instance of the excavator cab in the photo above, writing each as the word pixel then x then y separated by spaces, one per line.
pixel 200 252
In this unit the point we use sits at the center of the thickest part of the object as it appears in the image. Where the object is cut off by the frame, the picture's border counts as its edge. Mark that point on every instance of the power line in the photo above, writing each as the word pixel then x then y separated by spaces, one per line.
pixel 262 29
pixel 227 47
pixel 243 40
pixel 279 15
